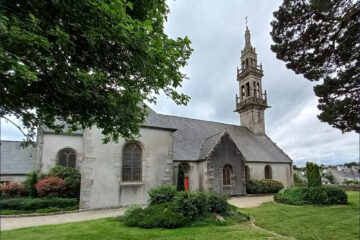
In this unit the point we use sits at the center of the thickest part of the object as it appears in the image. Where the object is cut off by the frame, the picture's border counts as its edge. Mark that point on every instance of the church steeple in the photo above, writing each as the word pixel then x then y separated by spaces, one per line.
pixel 252 101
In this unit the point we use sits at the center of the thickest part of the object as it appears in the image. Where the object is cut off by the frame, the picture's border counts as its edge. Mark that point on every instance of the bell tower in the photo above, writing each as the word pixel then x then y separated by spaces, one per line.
pixel 252 102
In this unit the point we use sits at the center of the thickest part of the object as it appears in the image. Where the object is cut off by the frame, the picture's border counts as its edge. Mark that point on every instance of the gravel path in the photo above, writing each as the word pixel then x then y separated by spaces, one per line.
pixel 247 202
pixel 21 222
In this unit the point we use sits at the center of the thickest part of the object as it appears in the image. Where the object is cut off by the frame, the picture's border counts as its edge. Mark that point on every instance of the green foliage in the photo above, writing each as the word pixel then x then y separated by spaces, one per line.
pixel 87 63
pixel 190 204
pixel 37 203
pixel 311 195
pixel 297 178
pixel 72 179
pixel 162 194
pixel 180 186
pixel 258 186
pixel 31 179
pixel 320 40
pixel 313 175
pixel 155 216
pixel 351 164
pixel 217 203
pixel 351 182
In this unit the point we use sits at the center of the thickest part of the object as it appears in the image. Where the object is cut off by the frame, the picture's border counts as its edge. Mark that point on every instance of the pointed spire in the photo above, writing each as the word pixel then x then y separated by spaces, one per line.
pixel 247 38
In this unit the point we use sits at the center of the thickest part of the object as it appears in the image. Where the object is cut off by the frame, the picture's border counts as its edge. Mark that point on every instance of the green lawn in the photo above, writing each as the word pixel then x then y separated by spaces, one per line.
pixel 310 222
pixel 301 222
pixel 109 228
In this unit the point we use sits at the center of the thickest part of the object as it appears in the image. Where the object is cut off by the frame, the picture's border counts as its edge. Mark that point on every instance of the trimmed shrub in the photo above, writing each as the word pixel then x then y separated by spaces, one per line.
pixel 31 179
pixel 72 179
pixel 257 186
pixel 297 178
pixel 37 203
pixel 51 187
pixel 180 186
pixel 162 194
pixel 311 195
pixel 13 189
pixel 217 203
pixel 190 204
pixel 160 215
pixel 313 175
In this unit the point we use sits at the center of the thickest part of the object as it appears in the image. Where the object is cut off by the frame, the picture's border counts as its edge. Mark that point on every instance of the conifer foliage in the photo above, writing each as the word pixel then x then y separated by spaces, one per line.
pixel 320 39
pixel 313 174
pixel 180 181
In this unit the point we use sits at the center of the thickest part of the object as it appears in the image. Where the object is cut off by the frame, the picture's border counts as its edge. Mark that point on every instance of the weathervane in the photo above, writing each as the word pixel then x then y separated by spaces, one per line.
pixel 246 21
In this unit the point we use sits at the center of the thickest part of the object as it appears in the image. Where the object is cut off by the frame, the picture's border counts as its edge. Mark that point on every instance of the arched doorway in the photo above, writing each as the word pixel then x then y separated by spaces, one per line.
pixel 268 172
pixel 247 173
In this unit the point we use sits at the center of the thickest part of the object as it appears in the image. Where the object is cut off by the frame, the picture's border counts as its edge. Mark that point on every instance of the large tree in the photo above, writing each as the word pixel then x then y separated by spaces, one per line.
pixel 87 63
pixel 320 39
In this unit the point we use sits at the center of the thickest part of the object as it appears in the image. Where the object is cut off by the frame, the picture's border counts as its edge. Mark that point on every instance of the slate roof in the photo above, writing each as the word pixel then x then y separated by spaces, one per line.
pixel 15 159
pixel 192 137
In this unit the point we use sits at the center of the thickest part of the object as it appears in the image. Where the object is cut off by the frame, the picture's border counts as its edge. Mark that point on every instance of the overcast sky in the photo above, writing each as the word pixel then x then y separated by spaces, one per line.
pixel 216 29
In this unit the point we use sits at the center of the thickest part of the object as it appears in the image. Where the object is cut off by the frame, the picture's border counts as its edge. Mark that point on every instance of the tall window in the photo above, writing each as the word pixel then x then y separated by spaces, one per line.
pixel 247 173
pixel 67 157
pixel 131 165
pixel 227 172
pixel 268 173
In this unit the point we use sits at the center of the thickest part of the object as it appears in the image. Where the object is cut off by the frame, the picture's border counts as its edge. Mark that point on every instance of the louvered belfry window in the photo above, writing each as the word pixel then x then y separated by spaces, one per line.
pixel 131 166
pixel 67 157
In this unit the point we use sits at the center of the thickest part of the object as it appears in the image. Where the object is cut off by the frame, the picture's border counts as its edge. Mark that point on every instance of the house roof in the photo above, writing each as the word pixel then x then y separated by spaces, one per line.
pixel 15 159
pixel 194 137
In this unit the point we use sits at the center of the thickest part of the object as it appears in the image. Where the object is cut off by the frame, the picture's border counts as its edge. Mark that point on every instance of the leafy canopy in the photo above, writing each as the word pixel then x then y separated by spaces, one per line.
pixel 87 63
pixel 320 39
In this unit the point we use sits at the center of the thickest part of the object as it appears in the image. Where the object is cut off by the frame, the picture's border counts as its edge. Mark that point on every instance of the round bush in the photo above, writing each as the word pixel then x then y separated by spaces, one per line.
pixel 51 187
pixel 31 179
pixel 162 194
pixel 190 204
pixel 13 189
pixel 258 186
pixel 217 203
pixel 72 179
pixel 311 195
pixel 155 216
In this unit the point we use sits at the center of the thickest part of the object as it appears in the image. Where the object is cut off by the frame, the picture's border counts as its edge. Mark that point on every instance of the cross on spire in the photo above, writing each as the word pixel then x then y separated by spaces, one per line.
pixel 246 21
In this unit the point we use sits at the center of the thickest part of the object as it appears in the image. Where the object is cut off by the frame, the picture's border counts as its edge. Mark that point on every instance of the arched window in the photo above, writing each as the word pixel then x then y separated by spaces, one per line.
pixel 131 165
pixel 227 172
pixel 66 157
pixel 247 173
pixel 268 173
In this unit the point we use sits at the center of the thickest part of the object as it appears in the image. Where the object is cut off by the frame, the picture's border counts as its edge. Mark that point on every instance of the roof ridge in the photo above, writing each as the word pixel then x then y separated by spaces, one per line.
pixel 228 124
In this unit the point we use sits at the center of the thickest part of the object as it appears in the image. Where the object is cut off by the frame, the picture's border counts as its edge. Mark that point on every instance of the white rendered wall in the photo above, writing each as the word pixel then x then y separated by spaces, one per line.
pixel 53 143
pixel 280 171
pixel 102 185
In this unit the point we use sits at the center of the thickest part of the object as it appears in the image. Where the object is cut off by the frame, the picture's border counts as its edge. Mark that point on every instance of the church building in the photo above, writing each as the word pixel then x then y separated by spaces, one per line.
pixel 217 157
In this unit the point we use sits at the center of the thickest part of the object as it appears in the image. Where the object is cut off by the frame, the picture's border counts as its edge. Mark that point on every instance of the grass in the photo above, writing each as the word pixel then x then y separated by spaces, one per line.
pixel 300 222
pixel 310 222
pixel 110 228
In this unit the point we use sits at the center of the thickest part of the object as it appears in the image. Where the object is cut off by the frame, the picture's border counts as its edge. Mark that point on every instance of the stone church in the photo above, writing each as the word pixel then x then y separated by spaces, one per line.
pixel 218 157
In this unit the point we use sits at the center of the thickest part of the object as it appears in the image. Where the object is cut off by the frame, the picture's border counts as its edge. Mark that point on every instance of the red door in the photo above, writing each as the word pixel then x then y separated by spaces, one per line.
pixel 186 184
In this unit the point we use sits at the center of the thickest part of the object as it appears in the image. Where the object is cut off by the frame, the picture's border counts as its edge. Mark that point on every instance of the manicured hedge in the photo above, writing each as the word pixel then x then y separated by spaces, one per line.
pixel 258 186
pixel 311 195
pixel 162 194
pixel 36 203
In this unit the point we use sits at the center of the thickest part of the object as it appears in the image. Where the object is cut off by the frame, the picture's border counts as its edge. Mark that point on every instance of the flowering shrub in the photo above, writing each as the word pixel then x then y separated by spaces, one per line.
pixel 51 187
pixel 13 189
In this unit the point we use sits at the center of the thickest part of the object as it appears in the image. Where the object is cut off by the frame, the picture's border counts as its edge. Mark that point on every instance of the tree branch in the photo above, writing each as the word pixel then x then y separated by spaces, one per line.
pixel 17 126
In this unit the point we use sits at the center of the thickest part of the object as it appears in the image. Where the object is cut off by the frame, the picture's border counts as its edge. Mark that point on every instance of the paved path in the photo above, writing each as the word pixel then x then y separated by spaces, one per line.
pixel 246 202
pixel 21 222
